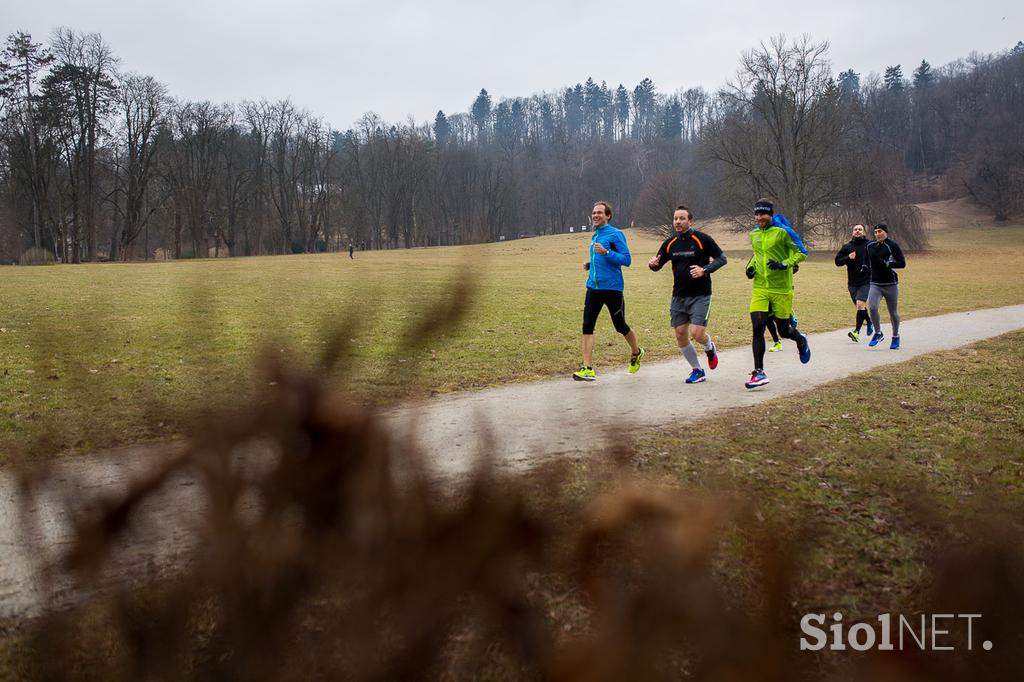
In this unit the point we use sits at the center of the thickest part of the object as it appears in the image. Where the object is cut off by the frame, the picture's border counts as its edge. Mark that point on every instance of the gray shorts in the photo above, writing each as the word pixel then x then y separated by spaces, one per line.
pixel 859 293
pixel 690 310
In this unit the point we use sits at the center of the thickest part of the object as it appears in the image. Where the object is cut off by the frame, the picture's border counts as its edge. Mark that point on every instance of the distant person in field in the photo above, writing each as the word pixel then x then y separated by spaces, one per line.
pixel 351 250
pixel 777 248
pixel 608 255
pixel 854 255
pixel 885 257
pixel 694 256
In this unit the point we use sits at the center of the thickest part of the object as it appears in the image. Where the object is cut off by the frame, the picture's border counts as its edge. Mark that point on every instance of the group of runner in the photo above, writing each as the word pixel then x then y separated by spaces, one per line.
pixel 777 254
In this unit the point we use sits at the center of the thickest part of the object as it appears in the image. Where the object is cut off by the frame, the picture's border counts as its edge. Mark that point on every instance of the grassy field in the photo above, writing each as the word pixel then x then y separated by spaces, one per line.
pixel 89 354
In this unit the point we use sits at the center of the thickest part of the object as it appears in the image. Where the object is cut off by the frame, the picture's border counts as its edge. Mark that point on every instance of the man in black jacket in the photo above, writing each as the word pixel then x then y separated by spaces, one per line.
pixel 694 256
pixel 854 255
pixel 885 257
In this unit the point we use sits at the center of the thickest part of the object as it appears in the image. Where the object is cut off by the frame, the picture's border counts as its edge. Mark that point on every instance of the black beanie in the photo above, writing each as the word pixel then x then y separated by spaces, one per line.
pixel 882 226
pixel 764 206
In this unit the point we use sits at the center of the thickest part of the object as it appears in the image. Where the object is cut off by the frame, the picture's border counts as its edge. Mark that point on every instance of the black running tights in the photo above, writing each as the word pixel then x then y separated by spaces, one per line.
pixel 759 322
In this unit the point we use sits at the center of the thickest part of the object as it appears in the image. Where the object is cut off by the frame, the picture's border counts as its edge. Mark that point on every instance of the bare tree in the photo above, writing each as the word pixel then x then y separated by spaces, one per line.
pixel 142 104
pixel 259 119
pixel 994 174
pixel 657 201
pixel 780 129
pixel 83 81
pixel 197 135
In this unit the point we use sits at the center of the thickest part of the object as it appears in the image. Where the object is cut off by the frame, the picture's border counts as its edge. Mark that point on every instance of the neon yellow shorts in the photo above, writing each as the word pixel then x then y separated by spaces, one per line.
pixel 781 302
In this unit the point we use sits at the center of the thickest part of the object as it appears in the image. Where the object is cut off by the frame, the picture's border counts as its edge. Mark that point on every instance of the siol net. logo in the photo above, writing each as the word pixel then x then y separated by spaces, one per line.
pixel 928 632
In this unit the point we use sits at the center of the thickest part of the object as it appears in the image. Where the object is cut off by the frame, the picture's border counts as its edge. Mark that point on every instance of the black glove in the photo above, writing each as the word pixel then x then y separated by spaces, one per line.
pixel 750 272
pixel 776 265
pixel 796 269
pixel 890 261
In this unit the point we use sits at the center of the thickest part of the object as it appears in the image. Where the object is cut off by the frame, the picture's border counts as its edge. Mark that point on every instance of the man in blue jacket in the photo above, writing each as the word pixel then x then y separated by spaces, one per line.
pixel 608 255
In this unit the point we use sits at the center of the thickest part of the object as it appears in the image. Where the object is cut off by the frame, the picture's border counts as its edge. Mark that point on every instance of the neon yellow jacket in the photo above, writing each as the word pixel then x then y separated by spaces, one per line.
pixel 777 242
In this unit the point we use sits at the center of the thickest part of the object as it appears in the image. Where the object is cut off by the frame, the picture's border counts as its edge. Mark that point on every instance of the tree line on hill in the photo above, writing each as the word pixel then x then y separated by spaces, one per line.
pixel 98 162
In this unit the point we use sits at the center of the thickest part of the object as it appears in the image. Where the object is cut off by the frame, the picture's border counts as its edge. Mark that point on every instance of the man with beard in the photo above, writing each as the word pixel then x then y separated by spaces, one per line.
pixel 777 248
pixel 694 256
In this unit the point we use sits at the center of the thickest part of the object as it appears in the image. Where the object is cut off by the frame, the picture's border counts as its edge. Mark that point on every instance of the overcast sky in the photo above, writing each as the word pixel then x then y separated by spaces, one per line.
pixel 401 59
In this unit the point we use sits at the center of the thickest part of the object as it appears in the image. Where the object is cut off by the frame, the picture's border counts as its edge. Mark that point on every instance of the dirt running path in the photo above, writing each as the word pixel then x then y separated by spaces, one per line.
pixel 523 424
pixel 528 422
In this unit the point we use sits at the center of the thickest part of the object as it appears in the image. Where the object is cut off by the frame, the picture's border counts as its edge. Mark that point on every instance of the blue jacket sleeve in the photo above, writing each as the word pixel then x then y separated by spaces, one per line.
pixel 619 253
pixel 800 254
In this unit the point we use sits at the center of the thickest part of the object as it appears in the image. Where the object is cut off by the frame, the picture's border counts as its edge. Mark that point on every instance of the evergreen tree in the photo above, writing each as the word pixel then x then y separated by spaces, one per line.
pixel 672 120
pixel 547 120
pixel 894 78
pixel 622 111
pixel 923 75
pixel 504 127
pixel 481 112
pixel 592 106
pixel 573 102
pixel 644 97
pixel 849 83
pixel 442 129
pixel 517 118
pixel 607 112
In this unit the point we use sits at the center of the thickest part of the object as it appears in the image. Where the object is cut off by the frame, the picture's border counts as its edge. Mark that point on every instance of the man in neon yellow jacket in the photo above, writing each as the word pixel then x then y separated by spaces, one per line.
pixel 777 248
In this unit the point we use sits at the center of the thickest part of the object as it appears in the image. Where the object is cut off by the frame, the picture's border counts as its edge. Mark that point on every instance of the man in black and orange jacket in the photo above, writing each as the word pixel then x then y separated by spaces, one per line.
pixel 694 256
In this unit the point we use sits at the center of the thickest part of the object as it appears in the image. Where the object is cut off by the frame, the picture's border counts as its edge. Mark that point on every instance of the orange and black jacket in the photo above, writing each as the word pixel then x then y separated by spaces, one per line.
pixel 688 249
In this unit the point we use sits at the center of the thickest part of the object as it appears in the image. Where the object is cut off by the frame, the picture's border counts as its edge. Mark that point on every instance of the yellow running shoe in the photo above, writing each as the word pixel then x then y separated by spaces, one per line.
pixel 634 361
pixel 585 374
pixel 776 348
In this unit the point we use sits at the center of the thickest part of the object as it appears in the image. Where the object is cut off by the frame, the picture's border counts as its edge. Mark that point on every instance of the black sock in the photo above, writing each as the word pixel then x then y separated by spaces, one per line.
pixel 862 318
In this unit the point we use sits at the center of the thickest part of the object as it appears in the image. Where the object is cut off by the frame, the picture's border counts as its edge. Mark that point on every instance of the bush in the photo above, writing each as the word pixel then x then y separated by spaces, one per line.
pixel 906 223
pixel 36 256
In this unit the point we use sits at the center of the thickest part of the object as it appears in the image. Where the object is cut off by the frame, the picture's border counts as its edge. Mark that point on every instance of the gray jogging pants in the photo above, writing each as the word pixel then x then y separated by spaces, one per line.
pixel 891 294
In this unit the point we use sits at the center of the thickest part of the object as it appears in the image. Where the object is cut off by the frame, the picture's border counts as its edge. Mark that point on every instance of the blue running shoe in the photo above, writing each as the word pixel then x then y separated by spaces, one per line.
pixel 895 345
pixel 757 378
pixel 805 350
pixel 696 376
pixel 871 328
pixel 876 339
pixel 792 320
